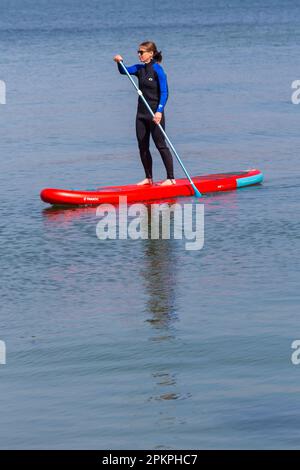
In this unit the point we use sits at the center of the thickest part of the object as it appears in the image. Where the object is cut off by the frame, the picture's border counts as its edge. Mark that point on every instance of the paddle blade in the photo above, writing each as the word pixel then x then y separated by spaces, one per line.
pixel 196 192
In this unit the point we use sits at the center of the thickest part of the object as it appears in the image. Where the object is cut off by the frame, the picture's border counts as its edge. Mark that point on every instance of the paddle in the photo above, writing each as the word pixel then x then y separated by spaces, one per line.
pixel 140 93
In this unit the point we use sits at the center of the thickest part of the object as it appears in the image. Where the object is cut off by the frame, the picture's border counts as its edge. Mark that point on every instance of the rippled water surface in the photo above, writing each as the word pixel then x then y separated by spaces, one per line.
pixel 142 344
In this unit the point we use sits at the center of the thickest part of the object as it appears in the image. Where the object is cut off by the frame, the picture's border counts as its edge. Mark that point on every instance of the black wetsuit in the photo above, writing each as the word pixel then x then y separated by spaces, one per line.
pixel 153 84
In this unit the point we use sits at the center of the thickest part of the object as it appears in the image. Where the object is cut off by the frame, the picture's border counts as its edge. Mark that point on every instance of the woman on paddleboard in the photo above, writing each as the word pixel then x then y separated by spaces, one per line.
pixel 153 83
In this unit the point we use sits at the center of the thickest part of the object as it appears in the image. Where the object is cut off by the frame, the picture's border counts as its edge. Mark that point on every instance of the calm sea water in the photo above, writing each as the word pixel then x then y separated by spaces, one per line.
pixel 142 344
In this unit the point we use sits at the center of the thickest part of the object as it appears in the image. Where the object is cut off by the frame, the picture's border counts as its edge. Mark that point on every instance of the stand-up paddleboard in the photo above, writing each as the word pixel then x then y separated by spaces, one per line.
pixel 136 193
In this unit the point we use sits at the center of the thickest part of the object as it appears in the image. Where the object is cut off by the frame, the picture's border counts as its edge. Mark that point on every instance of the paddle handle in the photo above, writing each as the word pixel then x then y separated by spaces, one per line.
pixel 140 93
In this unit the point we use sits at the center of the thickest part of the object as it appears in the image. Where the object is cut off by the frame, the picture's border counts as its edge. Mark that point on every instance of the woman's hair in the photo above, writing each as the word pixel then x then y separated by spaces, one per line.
pixel 151 47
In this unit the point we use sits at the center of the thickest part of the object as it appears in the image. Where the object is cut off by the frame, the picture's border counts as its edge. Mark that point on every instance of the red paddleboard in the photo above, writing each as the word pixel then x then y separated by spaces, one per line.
pixel 135 193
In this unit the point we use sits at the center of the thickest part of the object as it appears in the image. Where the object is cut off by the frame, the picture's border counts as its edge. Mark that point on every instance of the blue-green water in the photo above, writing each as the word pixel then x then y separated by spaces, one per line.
pixel 142 344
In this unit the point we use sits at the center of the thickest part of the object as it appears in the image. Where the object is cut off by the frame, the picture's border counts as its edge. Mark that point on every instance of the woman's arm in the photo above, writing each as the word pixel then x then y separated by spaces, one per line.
pixel 163 86
pixel 133 69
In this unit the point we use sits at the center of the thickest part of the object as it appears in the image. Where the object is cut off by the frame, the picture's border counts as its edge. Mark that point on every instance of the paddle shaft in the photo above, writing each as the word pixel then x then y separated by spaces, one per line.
pixel 140 93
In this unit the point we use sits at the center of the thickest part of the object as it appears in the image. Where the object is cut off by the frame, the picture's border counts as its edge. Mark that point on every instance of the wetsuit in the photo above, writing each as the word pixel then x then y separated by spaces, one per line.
pixel 153 83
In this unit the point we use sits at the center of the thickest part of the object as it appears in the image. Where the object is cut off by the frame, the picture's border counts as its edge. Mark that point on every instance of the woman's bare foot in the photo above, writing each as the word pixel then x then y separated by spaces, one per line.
pixel 168 182
pixel 145 181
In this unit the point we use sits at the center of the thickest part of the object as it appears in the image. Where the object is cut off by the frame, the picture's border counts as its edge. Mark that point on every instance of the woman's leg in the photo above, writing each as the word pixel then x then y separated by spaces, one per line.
pixel 161 146
pixel 143 137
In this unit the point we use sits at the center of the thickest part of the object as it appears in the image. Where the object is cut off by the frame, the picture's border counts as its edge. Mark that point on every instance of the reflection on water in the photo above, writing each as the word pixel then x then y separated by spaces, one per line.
pixel 63 216
pixel 164 380
pixel 159 274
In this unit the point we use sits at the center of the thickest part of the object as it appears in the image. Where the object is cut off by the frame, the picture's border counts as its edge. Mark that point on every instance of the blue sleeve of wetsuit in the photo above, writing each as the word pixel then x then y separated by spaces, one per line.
pixel 132 70
pixel 163 85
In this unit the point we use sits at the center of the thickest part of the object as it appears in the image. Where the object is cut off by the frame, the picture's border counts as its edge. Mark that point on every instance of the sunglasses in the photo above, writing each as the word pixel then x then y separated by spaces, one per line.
pixel 141 52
